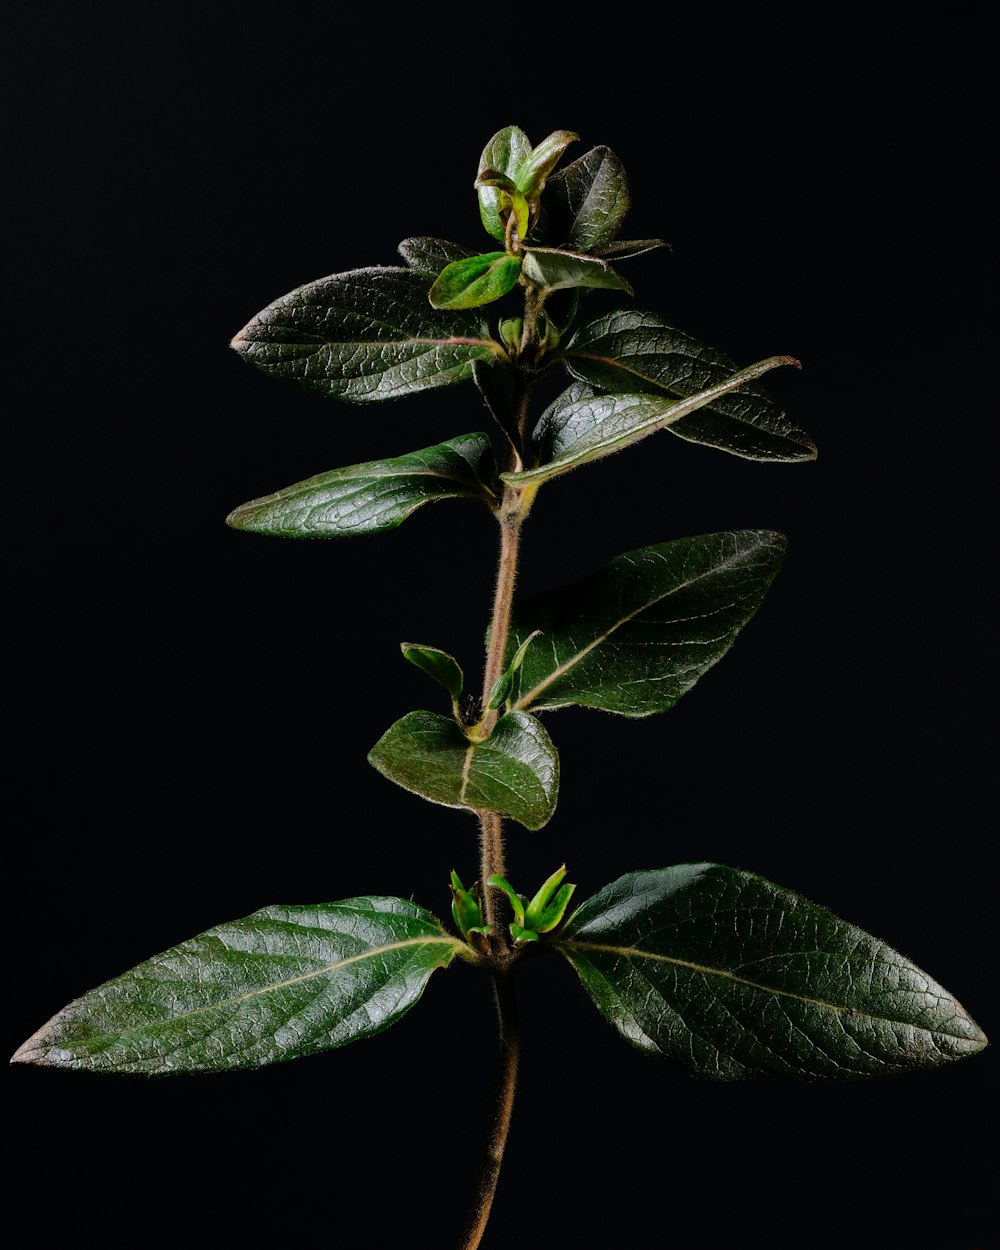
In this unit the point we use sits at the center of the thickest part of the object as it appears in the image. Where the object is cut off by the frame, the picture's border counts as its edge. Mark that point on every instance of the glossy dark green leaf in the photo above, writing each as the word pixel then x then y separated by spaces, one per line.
pixel 628 351
pixel 282 983
pixel 573 431
pixel 437 664
pixel 504 153
pixel 584 203
pixel 552 270
pixel 477 280
pixel 379 495
pixel 637 635
pixel 515 772
pixel 733 977
pixel 368 334
pixel 429 255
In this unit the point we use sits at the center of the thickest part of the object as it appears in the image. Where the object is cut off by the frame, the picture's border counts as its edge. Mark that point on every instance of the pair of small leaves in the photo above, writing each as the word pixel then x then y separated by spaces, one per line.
pixel 631 639
pixel 476 280
pixel 512 176
pixel 543 912
pixel 714 968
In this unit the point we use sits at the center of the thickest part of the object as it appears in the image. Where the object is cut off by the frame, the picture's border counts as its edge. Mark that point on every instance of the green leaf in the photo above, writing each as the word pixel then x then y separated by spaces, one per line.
pixel 514 772
pixel 504 154
pixel 628 351
pixel 534 170
pixel 584 203
pixel 637 635
pixel 367 334
pixel 429 256
pixel 477 280
pixel 734 977
pixel 282 983
pixel 507 687
pixel 437 664
pixel 574 431
pixel 379 495
pixel 553 270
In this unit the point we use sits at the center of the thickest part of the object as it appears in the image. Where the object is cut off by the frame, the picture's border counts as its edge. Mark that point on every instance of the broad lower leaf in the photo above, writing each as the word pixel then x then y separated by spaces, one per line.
pixel 515 772
pixel 504 153
pixel 584 203
pixel 282 983
pixel 552 270
pixel 627 351
pixel 367 334
pixel 637 635
pixel 734 977
pixel 477 280
pixel 429 256
pixel 379 495
pixel 574 431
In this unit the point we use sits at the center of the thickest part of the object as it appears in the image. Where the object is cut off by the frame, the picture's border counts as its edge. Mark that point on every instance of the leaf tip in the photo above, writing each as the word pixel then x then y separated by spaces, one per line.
pixel 38 1048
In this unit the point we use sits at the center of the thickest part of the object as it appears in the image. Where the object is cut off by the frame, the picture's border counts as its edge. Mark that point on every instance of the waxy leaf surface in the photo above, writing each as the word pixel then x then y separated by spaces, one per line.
pixel 584 203
pixel 514 772
pixel 637 635
pixel 368 334
pixel 628 351
pixel 732 976
pixel 574 430
pixel 282 983
pixel 379 495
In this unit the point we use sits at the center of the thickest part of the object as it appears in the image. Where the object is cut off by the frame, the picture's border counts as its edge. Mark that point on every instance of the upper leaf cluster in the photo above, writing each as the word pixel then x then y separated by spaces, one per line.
pixel 632 638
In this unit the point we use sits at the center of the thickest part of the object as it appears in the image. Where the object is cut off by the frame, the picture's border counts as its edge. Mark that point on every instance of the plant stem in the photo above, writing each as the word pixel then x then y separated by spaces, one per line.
pixel 514 508
pixel 503 1105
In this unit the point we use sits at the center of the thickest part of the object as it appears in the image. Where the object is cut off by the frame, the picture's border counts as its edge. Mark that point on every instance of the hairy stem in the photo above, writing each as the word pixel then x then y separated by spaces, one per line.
pixel 503 1105
pixel 513 510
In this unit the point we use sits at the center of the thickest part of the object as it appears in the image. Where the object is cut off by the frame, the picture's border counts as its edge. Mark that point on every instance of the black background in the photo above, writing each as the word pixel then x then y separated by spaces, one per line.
pixel 192 706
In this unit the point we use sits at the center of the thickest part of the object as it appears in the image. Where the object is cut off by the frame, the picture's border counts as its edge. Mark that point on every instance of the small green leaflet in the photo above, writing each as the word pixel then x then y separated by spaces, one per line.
pixel 368 334
pixel 638 634
pixel 534 170
pixel 631 352
pixel 379 495
pixel 732 977
pixel 437 664
pixel 514 772
pixel 282 983
pixel 580 426
pixel 504 153
pixel 476 280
